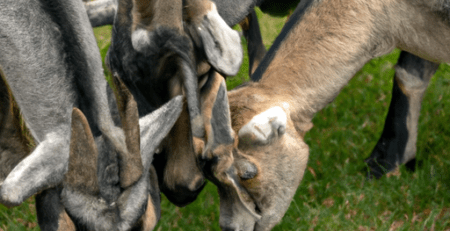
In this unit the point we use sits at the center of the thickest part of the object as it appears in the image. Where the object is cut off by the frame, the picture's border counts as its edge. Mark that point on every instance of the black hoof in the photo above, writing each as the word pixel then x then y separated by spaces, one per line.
pixel 376 168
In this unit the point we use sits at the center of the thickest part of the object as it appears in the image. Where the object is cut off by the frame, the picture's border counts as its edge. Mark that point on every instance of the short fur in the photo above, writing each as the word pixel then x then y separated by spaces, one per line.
pixel 14 146
pixel 101 12
pixel 397 144
pixel 321 47
pixel 47 80
pixel 51 63
pixel 172 62
pixel 107 205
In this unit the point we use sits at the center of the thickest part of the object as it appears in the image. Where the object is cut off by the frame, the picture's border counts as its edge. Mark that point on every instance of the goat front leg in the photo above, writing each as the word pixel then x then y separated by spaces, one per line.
pixel 397 144
pixel 255 46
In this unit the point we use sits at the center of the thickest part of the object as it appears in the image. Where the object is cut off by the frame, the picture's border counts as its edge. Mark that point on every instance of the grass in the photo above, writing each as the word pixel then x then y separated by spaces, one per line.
pixel 334 194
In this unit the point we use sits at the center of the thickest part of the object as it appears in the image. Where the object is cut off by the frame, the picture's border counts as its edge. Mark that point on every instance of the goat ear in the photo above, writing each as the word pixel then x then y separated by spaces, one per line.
pixel 216 114
pixel 155 126
pixel 222 45
pixel 82 173
pixel 232 181
pixel 130 162
pixel 191 87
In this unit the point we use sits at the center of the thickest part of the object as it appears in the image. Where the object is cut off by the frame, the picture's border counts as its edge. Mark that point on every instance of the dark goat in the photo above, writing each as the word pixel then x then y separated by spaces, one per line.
pixel 158 50
pixel 51 64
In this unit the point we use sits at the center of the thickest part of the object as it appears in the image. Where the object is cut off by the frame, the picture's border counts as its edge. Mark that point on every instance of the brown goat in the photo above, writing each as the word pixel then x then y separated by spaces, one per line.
pixel 318 51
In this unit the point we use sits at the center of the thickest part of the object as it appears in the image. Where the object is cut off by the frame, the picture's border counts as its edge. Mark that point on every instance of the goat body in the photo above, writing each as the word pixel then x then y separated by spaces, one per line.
pixel 321 47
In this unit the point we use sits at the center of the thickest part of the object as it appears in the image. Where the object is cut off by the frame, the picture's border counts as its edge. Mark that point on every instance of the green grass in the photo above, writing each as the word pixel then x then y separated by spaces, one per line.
pixel 334 194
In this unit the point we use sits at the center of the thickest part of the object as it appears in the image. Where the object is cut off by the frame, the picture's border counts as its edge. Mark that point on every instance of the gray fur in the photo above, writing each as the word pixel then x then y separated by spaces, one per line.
pixel 116 208
pixel 40 76
pixel 42 169
pixel 101 12
pixel 51 62
pixel 155 126
pixel 222 44
pixel 97 214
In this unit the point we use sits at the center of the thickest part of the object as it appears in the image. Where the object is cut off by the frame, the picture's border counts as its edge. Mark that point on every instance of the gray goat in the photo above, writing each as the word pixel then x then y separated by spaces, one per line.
pixel 51 64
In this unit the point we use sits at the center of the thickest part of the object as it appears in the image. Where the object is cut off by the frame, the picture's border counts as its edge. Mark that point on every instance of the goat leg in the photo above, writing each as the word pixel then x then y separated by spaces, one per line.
pixel 397 144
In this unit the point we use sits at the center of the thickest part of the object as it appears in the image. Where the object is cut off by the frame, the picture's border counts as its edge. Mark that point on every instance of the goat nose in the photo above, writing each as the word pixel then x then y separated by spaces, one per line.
pixel 197 183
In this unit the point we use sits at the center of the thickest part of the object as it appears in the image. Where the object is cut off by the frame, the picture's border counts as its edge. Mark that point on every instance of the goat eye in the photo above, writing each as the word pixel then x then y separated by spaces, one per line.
pixel 247 170
pixel 248 175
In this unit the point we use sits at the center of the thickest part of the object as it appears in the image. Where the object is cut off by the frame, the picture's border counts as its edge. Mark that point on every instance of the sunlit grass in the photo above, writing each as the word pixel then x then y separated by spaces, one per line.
pixel 334 194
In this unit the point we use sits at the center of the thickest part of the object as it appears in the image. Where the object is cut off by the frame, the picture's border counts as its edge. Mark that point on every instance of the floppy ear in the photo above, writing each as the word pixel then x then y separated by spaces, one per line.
pixel 81 193
pixel 191 87
pixel 153 211
pixel 216 115
pixel 82 173
pixel 225 175
pixel 232 181
pixel 222 45
pixel 156 126
pixel 130 162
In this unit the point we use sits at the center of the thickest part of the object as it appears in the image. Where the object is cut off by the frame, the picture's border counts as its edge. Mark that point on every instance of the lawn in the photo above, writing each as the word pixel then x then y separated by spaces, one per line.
pixel 334 194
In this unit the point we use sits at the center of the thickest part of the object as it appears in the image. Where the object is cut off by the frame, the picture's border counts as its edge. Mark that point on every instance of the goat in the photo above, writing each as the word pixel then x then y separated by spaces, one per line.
pixel 92 198
pixel 321 47
pixel 397 144
pixel 51 64
pixel 154 52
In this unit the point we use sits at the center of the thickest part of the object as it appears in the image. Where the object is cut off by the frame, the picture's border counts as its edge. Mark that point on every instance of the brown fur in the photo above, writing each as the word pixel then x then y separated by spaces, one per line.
pixel 195 10
pixel 152 13
pixel 316 59
pixel 245 24
pixel 181 162
pixel 15 140
pixel 208 99
pixel 65 223
pixel 82 173
pixel 130 163
pixel 149 219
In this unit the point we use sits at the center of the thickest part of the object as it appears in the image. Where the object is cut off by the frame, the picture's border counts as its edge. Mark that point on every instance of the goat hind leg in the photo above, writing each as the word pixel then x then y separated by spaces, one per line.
pixel 397 144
